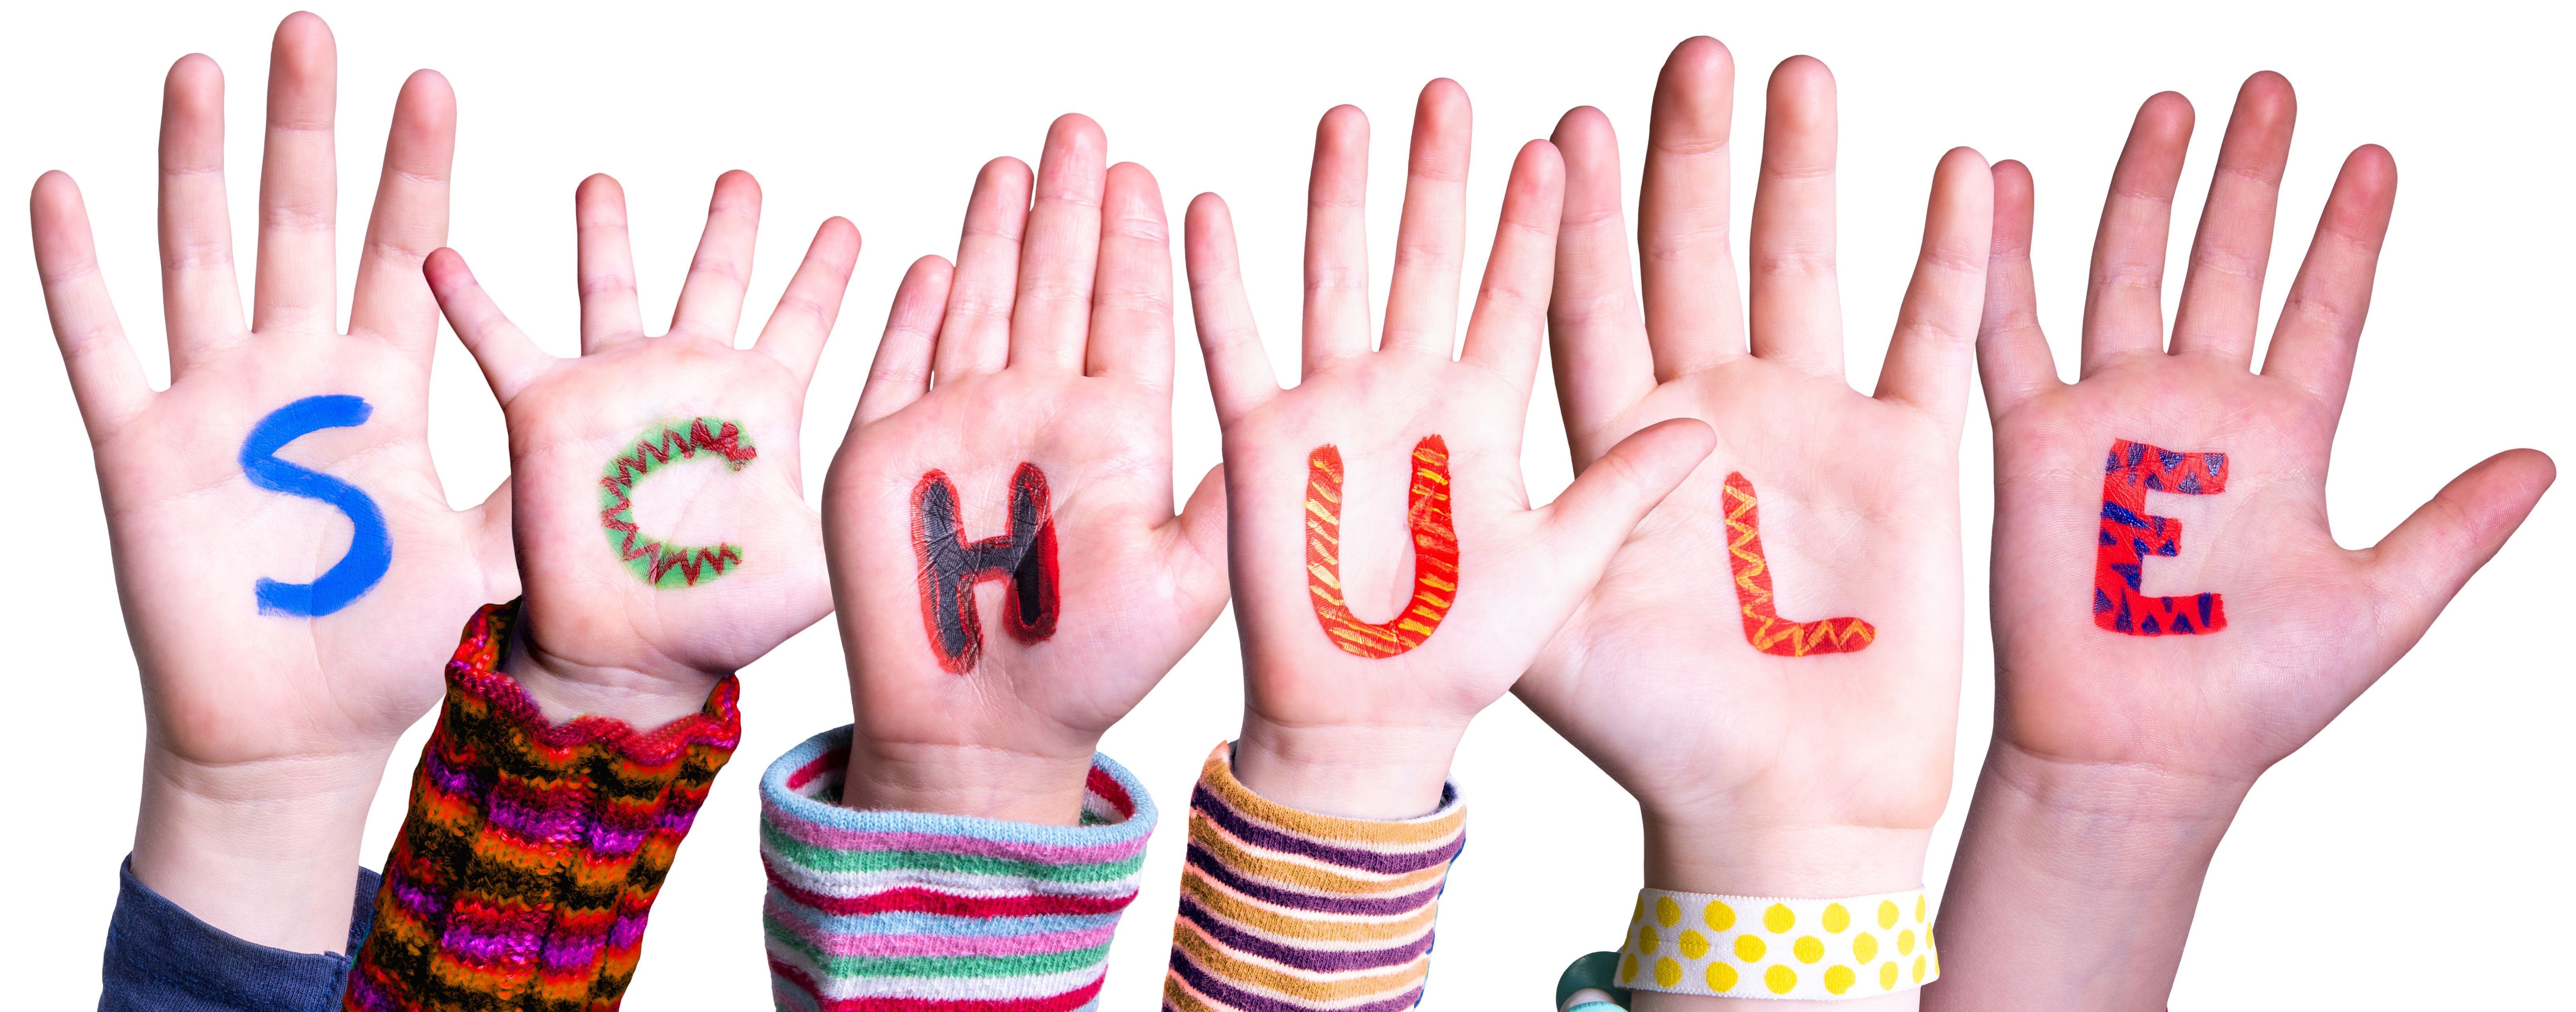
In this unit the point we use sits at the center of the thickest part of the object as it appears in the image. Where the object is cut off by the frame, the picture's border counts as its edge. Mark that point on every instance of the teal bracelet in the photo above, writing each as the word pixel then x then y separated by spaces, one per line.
pixel 1594 972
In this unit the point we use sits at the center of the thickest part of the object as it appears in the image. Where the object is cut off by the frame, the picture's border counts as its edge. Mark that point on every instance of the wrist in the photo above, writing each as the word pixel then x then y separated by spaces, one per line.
pixel 565 688
pixel 1346 770
pixel 2075 882
pixel 2112 826
pixel 986 782
pixel 1697 854
pixel 266 851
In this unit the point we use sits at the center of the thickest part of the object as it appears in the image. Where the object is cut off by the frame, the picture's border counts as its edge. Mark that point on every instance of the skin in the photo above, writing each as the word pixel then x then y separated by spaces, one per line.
pixel 1325 730
pixel 268 734
pixel 1049 342
pixel 1757 774
pixel 2118 761
pixel 596 638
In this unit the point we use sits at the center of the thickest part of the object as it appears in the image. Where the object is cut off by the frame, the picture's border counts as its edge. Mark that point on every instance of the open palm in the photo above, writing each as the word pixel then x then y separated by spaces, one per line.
pixel 1011 577
pixel 1775 650
pixel 234 676
pixel 659 501
pixel 1380 456
pixel 2167 591
pixel 291 572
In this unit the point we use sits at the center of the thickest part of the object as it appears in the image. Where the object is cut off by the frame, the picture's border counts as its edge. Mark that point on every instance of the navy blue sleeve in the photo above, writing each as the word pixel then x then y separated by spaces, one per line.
pixel 161 958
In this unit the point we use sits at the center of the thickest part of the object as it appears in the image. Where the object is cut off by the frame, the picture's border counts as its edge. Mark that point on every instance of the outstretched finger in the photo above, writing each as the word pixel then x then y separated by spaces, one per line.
pixel 509 360
pixel 297 280
pixel 2124 310
pixel 1694 317
pixel 604 265
pixel 1059 259
pixel 711 299
pixel 2012 354
pixel 200 296
pixel 803 318
pixel 1238 370
pixel 1431 236
pixel 107 380
pixel 2222 293
pixel 1934 349
pixel 1795 305
pixel 1337 265
pixel 1131 302
pixel 1596 335
pixel 410 218
pixel 2320 328
pixel 1511 305
pixel 901 372
pixel 975 337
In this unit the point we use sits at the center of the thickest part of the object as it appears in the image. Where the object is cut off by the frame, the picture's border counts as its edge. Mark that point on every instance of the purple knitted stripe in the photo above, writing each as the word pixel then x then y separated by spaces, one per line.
pixel 1317 960
pixel 1209 803
pixel 1208 865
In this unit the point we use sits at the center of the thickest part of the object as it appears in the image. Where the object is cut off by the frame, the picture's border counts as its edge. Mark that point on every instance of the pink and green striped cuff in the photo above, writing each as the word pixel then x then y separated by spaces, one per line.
pixel 1289 911
pixel 879 911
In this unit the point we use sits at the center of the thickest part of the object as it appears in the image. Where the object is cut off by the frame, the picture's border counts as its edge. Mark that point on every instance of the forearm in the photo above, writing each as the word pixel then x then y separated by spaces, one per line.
pixel 2075 884
pixel 263 853
pixel 532 851
pixel 878 908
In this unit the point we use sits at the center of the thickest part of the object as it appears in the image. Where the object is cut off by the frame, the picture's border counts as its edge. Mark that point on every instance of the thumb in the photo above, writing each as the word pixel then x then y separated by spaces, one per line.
pixel 1592 519
pixel 2427 559
pixel 508 358
pixel 1198 552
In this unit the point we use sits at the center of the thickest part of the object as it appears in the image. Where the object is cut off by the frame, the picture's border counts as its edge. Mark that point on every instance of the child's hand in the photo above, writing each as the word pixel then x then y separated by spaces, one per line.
pixel 658 501
pixel 1777 686
pixel 1390 577
pixel 291 574
pixel 1010 575
pixel 2149 670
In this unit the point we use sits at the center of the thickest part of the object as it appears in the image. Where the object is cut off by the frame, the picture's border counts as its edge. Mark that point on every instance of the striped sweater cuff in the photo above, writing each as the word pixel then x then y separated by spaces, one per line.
pixel 1289 911
pixel 888 911
pixel 532 852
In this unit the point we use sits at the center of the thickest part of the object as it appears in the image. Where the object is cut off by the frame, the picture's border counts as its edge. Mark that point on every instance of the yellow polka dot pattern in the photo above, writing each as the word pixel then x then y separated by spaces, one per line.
pixel 1760 947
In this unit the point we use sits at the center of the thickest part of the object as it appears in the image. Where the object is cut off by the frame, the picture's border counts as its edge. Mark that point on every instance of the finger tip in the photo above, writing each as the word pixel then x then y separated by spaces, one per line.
pixel 1701 54
pixel 445 270
pixel 195 68
pixel 426 84
pixel 2167 110
pixel 2270 85
pixel 1802 70
pixel 1005 170
pixel 1582 122
pixel 1077 130
pixel 304 34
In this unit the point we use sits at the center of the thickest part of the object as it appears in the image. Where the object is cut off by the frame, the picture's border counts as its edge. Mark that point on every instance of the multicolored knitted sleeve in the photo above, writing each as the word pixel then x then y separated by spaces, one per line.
pixel 907 912
pixel 532 852
pixel 1289 911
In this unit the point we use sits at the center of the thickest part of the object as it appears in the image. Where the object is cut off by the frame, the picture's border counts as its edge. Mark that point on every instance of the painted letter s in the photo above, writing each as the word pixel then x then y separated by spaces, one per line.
pixel 370 550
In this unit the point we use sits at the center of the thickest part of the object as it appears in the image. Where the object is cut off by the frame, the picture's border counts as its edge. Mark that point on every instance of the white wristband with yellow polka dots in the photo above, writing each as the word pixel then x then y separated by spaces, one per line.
pixel 1763 947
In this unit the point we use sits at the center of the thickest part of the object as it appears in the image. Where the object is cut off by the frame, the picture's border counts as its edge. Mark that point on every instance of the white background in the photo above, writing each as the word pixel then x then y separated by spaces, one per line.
pixel 2416 849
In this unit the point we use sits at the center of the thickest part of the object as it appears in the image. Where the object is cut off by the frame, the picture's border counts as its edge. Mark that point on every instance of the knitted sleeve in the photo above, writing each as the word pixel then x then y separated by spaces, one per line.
pixel 1289 911
pixel 532 851
pixel 888 911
